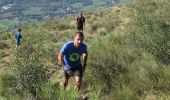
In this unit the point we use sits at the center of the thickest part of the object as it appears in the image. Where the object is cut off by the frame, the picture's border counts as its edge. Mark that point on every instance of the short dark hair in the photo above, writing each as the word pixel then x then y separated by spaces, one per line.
pixel 79 33
pixel 19 30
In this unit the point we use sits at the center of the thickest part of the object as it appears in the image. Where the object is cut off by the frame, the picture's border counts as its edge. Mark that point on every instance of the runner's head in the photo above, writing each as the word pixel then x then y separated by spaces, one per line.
pixel 78 38
pixel 81 14
pixel 19 30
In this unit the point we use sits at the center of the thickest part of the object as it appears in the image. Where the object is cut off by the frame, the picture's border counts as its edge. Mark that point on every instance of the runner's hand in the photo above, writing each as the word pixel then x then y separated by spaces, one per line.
pixel 60 64
pixel 84 67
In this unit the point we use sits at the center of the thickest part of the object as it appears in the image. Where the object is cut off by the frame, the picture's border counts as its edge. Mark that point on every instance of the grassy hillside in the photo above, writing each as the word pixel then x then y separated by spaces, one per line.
pixel 129 56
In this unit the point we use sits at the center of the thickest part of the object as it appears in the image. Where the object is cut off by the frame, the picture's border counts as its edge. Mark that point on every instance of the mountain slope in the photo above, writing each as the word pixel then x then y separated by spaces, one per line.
pixel 128 55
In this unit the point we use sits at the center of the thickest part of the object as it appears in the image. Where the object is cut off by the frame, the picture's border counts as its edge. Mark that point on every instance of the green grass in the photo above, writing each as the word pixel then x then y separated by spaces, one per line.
pixel 126 54
pixel 77 5
pixel 2 26
pixel 95 4
pixel 7 23
pixel 98 2
pixel 88 7
pixel 33 11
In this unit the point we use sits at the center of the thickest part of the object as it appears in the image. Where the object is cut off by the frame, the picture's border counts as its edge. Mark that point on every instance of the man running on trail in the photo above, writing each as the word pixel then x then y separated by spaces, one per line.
pixel 69 56
pixel 80 22
pixel 18 37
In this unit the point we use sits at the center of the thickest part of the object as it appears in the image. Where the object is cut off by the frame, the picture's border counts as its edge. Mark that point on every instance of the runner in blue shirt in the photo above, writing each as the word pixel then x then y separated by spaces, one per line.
pixel 70 55
pixel 18 37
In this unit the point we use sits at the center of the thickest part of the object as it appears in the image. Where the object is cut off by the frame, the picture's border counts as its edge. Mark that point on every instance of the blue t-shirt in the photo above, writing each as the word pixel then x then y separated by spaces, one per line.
pixel 18 37
pixel 72 55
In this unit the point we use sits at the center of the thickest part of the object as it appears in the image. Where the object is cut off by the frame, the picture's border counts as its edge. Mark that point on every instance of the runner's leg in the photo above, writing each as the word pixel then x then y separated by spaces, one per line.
pixel 78 83
pixel 78 78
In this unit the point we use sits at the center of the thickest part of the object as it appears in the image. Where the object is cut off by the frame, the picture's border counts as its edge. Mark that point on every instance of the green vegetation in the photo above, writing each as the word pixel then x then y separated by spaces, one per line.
pixel 128 56
pixel 99 2
pixel 5 23
pixel 45 9
pixel 89 4
pixel 77 5
pixel 33 11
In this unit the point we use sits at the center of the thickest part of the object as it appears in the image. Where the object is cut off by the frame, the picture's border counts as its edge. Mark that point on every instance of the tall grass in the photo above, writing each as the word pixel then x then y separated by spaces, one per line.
pixel 27 71
pixel 126 64
pixel 132 64
pixel 152 27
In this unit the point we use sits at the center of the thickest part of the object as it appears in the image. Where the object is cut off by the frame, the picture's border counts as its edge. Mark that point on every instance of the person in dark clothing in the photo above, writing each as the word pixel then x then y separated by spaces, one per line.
pixel 80 22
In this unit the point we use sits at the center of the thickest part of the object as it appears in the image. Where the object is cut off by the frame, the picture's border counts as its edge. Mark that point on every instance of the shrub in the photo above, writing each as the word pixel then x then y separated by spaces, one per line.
pixel 4 45
pixel 5 35
pixel 28 72
pixel 107 61
pixel 152 23
pixel 102 31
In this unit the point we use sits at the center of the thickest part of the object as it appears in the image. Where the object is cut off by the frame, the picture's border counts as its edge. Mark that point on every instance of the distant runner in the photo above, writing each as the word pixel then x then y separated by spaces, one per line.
pixel 18 37
pixel 80 23
pixel 70 55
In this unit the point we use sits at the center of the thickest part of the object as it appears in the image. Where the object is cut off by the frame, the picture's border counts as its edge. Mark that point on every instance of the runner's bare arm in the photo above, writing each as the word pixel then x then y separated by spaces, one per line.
pixel 84 23
pixel 60 59
pixel 77 21
pixel 85 57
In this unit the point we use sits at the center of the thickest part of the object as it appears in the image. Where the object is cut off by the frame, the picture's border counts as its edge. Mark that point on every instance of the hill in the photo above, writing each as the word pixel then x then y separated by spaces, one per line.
pixel 128 55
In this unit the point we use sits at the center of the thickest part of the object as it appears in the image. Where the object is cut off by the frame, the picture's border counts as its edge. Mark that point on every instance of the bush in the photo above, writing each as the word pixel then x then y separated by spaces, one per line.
pixel 4 45
pixel 28 72
pixel 5 35
pixel 152 22
pixel 102 31
pixel 108 61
